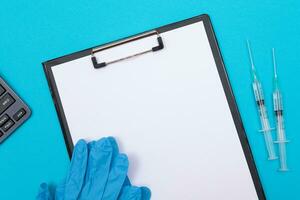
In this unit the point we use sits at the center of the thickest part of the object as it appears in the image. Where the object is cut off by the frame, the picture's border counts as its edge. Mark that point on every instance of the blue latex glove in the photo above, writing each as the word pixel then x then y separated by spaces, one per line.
pixel 97 172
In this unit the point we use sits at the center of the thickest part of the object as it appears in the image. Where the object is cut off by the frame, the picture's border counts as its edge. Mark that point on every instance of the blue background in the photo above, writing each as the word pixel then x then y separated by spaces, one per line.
pixel 35 31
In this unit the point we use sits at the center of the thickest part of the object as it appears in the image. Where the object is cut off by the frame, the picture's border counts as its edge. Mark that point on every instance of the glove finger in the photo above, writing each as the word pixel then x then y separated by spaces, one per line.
pixel 116 177
pixel 115 147
pixel 131 193
pixel 44 193
pixel 146 193
pixel 99 161
pixel 75 178
pixel 59 192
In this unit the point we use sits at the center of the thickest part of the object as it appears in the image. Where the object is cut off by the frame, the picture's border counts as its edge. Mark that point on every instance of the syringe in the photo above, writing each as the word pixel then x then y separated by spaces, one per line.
pixel 278 109
pixel 259 98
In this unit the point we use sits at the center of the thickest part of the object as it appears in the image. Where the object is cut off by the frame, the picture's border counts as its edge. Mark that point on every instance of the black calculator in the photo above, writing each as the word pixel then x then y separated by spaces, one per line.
pixel 13 111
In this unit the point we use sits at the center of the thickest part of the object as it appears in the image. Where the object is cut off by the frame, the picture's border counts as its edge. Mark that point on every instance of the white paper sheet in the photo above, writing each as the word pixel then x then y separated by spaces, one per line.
pixel 168 112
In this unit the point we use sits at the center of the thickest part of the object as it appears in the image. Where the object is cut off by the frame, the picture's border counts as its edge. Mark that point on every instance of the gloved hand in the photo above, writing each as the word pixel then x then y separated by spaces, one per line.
pixel 97 172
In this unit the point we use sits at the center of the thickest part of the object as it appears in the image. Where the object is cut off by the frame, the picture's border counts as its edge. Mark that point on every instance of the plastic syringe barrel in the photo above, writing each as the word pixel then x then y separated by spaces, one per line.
pixel 266 129
pixel 281 138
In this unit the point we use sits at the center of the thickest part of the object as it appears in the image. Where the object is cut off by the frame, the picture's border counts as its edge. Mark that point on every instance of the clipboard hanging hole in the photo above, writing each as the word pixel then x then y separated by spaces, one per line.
pixel 98 65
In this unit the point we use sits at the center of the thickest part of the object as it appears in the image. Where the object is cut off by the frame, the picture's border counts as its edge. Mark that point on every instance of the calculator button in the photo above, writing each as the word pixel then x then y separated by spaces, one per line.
pixel 3 119
pixel 5 102
pixel 7 125
pixel 2 90
pixel 19 114
pixel 1 134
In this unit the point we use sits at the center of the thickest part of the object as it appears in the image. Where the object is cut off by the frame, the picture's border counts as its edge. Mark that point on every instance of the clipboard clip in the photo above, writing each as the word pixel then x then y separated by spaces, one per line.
pixel 97 65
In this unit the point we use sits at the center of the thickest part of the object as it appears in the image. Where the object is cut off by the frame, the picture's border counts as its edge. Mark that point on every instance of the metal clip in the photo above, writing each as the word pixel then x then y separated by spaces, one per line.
pixel 153 49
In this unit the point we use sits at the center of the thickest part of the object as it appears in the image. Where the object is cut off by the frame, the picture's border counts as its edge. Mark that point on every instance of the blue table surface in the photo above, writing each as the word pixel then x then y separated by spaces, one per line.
pixel 35 31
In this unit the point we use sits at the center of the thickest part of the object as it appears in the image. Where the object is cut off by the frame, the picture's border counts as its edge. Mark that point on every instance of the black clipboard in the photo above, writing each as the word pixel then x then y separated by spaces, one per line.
pixel 220 67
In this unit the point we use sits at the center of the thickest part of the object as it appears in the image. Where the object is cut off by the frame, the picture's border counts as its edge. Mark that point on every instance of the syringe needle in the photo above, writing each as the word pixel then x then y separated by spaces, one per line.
pixel 251 60
pixel 274 63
